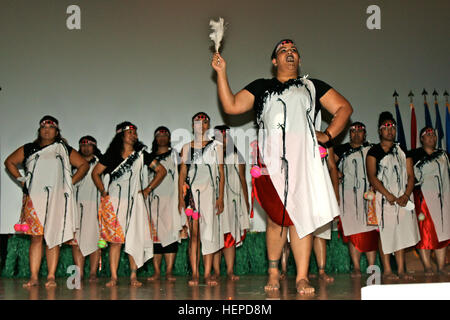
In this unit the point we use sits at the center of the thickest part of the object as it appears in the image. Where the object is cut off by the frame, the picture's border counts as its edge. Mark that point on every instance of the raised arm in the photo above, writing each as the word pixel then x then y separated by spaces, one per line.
pixel 341 110
pixel 231 103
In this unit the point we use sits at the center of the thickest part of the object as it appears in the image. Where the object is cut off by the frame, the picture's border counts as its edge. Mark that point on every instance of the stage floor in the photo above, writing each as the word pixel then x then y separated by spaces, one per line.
pixel 249 287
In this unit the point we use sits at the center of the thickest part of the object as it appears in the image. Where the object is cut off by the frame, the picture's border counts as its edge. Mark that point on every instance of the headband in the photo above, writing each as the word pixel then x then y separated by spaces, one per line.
pixel 357 126
pixel 129 127
pixel 388 125
pixel 87 141
pixel 50 122
pixel 427 131
pixel 162 131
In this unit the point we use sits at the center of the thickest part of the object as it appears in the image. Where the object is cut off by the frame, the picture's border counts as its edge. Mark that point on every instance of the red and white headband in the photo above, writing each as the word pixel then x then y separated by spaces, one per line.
pixel 126 128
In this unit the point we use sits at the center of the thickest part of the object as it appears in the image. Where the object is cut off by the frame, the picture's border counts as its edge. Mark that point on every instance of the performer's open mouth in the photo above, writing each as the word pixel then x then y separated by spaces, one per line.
pixel 290 58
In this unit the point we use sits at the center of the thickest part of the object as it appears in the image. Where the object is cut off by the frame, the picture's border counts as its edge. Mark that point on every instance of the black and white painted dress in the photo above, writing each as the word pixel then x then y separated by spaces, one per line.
pixel 87 198
pixel 203 180
pixel 166 220
pixel 124 181
pixel 398 225
pixel 288 114
pixel 432 173
pixel 354 183
pixel 48 174
pixel 236 219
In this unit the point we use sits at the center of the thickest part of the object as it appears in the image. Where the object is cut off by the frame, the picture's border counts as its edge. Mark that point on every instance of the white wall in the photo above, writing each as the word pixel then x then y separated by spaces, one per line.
pixel 149 62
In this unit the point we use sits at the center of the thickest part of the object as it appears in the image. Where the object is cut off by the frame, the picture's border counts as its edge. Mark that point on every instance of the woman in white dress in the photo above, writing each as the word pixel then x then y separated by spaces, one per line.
pixel 87 197
pixel 391 175
pixel 124 213
pixel 49 208
pixel 236 220
pixel 432 199
pixel 166 220
pixel 201 194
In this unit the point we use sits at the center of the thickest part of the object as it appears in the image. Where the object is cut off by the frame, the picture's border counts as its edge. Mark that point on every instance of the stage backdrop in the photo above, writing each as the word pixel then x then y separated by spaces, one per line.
pixel 149 62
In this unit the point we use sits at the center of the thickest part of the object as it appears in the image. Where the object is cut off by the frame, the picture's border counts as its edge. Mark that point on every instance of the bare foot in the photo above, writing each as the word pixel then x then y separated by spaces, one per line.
pixel 429 272
pixel 388 275
pixel 93 278
pixel 31 283
pixel 112 283
pixel 211 281
pixel 170 277
pixel 50 282
pixel 303 287
pixel 154 277
pixel 193 282
pixel 443 272
pixel 273 283
pixel 405 276
pixel 232 277
pixel 356 273
pixel 135 283
pixel 324 276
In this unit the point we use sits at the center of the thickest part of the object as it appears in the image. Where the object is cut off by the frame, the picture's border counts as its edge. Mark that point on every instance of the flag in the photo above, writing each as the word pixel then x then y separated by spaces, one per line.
pixel 447 126
pixel 428 122
pixel 413 127
pixel 438 125
pixel 400 132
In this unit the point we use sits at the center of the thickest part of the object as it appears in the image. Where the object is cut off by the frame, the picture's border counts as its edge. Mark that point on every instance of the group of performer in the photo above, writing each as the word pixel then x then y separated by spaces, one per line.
pixel 384 198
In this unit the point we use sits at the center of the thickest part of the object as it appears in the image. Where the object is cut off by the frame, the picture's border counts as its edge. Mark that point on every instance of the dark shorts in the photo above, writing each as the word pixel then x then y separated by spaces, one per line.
pixel 159 249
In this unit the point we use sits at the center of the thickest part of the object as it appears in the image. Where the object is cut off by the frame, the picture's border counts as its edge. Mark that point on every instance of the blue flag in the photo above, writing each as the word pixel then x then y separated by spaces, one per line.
pixel 447 126
pixel 400 133
pixel 438 126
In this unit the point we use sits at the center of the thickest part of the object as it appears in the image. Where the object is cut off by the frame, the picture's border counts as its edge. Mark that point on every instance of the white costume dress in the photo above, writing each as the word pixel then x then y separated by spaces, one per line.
pixel 352 164
pixel 236 214
pixel 203 181
pixel 398 226
pixel 88 200
pixel 433 175
pixel 50 207
pixel 166 220
pixel 129 220
pixel 288 117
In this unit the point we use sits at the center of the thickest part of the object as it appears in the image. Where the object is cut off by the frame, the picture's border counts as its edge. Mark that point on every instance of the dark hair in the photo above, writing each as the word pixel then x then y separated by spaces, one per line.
pixel 58 134
pixel 274 51
pixel 97 151
pixel 385 116
pixel 155 143
pixel 116 146
pixel 423 130
pixel 358 123
pixel 199 113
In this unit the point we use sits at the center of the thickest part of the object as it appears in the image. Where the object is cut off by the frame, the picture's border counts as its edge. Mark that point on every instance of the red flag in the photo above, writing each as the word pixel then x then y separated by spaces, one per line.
pixel 413 127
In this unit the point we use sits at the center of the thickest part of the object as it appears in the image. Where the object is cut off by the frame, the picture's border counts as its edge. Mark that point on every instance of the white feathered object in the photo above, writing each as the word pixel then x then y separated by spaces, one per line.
pixel 218 28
